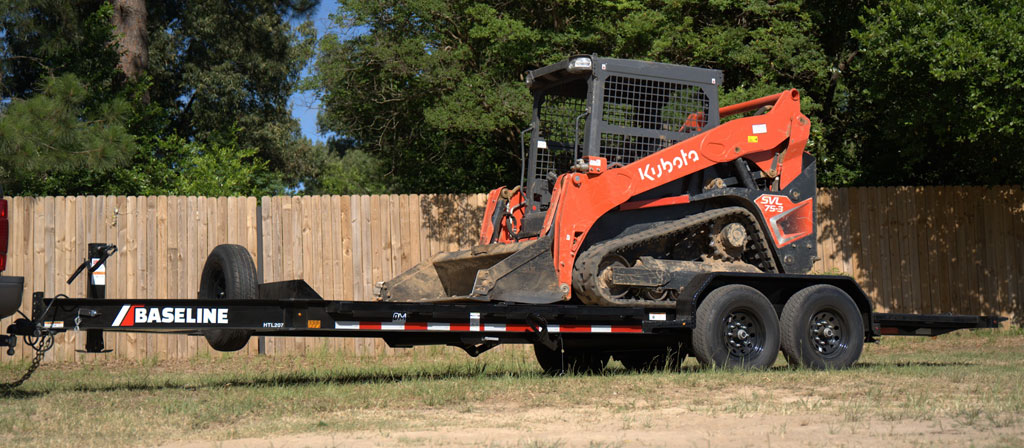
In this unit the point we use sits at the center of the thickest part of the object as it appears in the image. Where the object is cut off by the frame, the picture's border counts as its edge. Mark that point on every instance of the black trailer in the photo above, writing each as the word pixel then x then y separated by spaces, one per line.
pixel 565 336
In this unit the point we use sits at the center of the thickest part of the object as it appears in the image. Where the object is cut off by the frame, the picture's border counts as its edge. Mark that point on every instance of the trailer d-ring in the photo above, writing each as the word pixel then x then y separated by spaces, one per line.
pixel 539 330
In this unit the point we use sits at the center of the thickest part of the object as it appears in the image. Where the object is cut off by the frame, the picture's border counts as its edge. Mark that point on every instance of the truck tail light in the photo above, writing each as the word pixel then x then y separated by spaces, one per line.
pixel 3 234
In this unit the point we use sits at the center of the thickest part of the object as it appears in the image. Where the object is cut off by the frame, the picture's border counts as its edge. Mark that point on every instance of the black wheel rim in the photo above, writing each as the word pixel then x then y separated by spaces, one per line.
pixel 827 331
pixel 744 334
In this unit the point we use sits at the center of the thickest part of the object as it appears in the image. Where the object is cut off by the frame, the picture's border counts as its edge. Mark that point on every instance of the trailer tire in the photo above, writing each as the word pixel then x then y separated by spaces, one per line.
pixel 822 328
pixel 229 273
pixel 575 361
pixel 736 327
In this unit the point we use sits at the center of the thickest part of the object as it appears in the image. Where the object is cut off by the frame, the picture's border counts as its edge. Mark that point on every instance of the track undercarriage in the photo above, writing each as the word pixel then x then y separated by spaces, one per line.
pixel 636 269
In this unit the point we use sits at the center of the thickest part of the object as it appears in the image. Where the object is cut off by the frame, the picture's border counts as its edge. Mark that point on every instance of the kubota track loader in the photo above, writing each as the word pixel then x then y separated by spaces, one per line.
pixel 632 186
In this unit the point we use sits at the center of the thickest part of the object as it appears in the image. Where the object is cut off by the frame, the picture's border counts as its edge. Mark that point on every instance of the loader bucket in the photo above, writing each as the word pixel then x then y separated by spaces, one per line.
pixel 518 272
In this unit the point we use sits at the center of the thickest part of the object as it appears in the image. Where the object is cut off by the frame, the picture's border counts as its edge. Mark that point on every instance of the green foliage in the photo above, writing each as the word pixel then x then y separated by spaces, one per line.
pixel 935 93
pixel 434 89
pixel 175 166
pixel 50 38
pixel 428 95
pixel 217 66
pixel 62 108
pixel 216 89
pixel 57 131
pixel 169 166
pixel 355 173
pixel 899 92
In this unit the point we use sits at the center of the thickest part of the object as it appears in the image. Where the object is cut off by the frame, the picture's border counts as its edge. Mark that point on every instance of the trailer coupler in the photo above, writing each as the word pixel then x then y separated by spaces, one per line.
pixel 9 341
pixel 36 337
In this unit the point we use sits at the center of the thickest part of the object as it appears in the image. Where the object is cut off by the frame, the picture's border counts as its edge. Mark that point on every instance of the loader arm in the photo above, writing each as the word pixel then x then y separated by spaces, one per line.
pixel 579 199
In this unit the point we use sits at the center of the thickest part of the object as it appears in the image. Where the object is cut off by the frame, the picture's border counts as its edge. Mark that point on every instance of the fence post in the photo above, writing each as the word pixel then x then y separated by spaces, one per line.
pixel 261 342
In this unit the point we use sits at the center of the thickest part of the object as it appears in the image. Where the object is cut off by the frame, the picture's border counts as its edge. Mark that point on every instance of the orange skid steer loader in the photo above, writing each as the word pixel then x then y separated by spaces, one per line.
pixel 633 186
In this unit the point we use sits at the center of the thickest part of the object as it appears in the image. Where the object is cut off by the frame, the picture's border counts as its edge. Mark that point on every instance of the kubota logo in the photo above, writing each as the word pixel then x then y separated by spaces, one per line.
pixel 131 315
pixel 666 166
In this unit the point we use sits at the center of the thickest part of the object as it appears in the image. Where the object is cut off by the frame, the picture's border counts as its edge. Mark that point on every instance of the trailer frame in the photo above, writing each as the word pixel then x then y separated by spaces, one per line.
pixel 473 323
pixel 292 308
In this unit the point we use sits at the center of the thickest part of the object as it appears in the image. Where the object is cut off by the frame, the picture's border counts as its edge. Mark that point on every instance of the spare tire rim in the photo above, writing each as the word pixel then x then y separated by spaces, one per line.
pixel 744 334
pixel 219 285
pixel 826 332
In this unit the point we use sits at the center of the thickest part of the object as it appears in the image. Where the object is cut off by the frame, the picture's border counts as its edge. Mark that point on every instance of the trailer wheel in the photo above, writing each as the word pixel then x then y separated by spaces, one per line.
pixel 569 361
pixel 668 358
pixel 229 273
pixel 822 328
pixel 736 327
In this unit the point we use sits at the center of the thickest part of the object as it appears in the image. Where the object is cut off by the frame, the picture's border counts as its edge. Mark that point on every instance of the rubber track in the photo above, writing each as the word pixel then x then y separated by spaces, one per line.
pixel 585 274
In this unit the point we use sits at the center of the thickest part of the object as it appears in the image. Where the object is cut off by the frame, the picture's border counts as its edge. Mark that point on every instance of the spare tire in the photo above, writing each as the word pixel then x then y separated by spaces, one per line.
pixel 229 274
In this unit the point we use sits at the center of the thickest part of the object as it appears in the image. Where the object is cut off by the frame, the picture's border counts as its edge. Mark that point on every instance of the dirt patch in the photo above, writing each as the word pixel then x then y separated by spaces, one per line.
pixel 668 426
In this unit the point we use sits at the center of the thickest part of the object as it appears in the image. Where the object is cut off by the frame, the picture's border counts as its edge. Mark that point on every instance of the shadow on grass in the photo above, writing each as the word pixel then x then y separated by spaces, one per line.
pixel 865 365
pixel 299 379
pixel 295 379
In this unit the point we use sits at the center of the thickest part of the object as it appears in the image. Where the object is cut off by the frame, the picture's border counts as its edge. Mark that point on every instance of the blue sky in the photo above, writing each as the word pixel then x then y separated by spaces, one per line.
pixel 304 105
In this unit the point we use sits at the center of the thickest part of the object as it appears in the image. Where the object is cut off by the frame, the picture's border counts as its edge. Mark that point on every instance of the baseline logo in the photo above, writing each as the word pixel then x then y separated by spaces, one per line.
pixel 666 166
pixel 131 315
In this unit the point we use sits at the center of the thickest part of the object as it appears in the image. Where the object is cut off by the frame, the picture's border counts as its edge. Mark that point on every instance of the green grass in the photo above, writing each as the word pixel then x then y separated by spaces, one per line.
pixel 973 379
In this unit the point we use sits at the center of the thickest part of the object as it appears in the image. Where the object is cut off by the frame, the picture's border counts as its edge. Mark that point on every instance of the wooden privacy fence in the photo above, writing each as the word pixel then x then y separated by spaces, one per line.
pixel 913 249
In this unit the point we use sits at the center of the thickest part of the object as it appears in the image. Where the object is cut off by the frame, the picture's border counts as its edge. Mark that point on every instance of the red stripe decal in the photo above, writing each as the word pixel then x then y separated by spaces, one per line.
pixel 416 326
pixel 566 328
pixel 501 328
pixel 129 320
pixel 627 329
pixel 661 202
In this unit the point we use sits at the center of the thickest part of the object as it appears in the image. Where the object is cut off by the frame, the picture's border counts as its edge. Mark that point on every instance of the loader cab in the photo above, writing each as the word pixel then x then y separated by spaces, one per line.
pixel 618 109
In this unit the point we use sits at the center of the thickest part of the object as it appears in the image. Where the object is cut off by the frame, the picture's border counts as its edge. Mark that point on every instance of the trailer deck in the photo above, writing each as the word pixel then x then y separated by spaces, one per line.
pixel 473 326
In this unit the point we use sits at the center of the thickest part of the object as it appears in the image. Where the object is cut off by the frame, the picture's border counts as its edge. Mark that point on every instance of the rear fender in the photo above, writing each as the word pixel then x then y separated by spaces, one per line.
pixel 10 295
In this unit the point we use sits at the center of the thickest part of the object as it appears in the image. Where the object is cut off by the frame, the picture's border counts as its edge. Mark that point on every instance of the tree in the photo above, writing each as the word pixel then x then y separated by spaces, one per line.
pixel 62 107
pixel 935 93
pixel 57 131
pixel 207 75
pixel 356 172
pixel 129 20
pixel 435 89
pixel 223 65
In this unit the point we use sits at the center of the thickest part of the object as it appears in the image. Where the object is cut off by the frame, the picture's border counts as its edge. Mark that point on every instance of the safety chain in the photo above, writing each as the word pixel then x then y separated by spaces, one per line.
pixel 41 345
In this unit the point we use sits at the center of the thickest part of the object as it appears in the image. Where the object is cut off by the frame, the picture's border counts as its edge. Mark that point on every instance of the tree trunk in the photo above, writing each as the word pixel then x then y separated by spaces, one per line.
pixel 130 26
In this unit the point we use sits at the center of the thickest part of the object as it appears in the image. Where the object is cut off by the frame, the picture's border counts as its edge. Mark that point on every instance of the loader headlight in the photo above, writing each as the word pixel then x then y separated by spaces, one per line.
pixel 582 64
